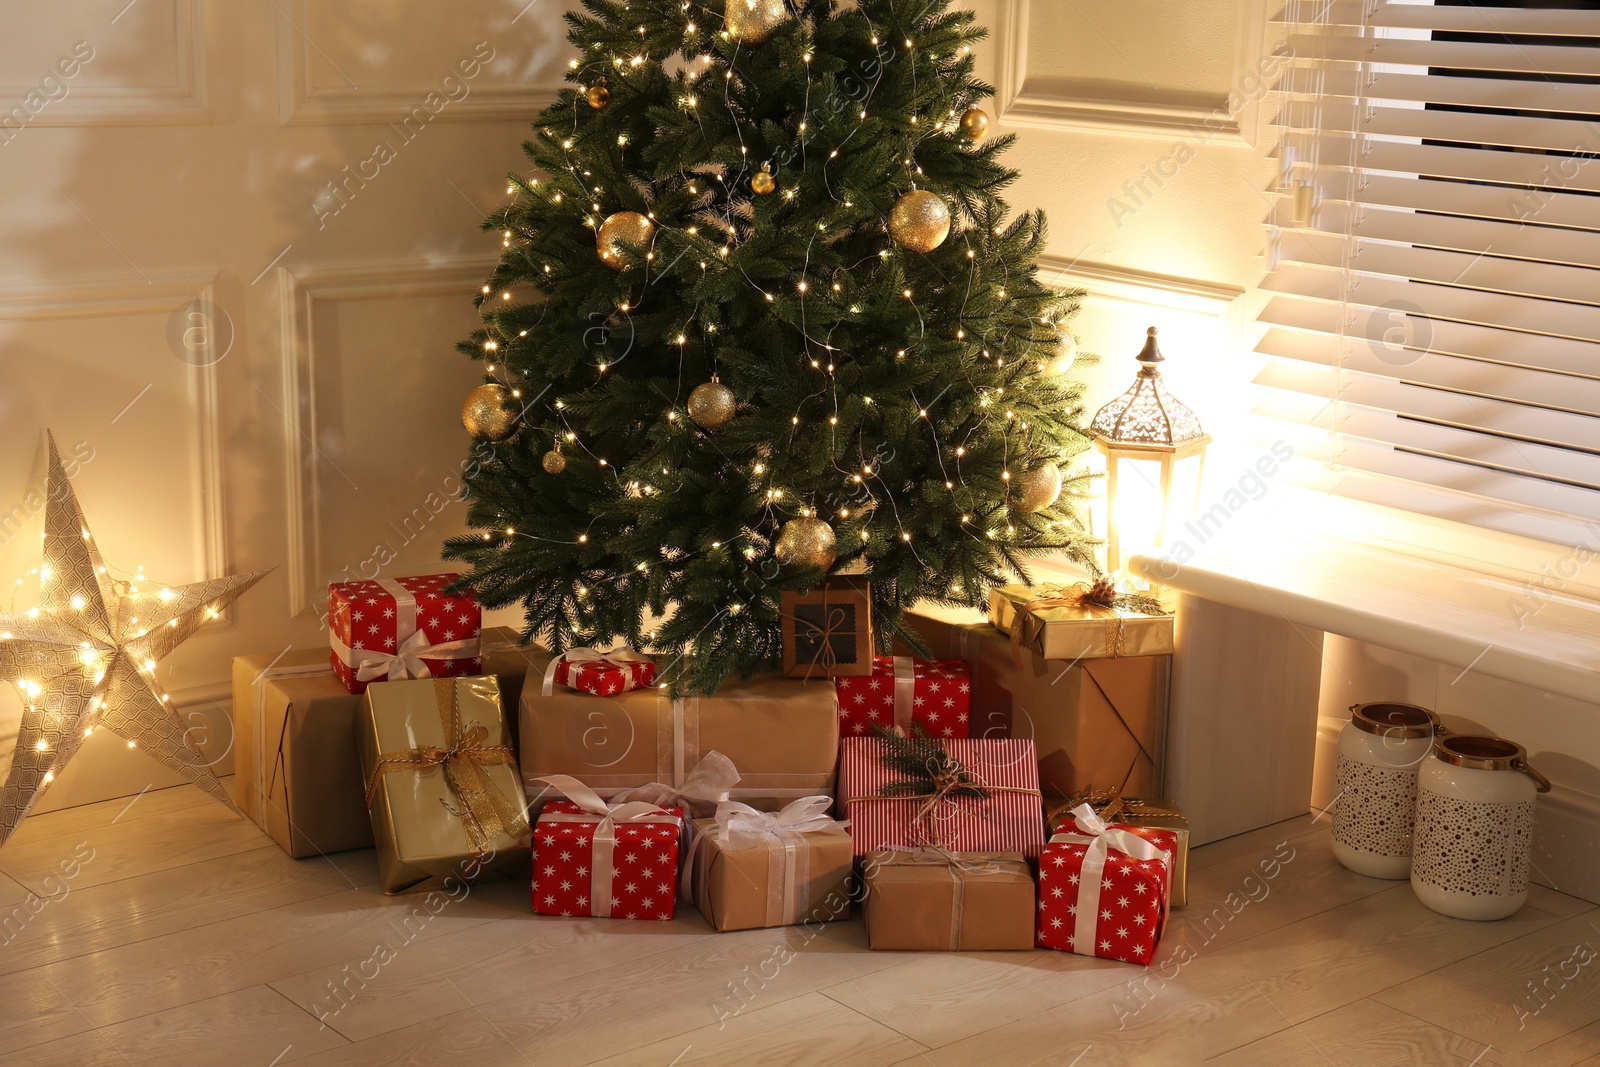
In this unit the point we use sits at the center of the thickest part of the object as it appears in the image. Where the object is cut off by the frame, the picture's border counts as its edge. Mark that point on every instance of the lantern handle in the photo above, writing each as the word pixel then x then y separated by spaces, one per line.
pixel 1527 768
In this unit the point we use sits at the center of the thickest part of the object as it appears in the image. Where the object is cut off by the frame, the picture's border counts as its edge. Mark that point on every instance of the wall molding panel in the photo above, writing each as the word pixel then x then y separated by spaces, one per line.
pixel 154 293
pixel 300 293
pixel 186 101
pixel 1023 102
pixel 1108 280
pixel 301 102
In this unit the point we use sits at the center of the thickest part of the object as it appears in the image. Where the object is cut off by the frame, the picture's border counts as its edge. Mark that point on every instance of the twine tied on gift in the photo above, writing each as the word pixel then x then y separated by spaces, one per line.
pixel 485 811
pixel 1099 599
pixel 960 867
pixel 1109 804
pixel 933 776
pixel 834 623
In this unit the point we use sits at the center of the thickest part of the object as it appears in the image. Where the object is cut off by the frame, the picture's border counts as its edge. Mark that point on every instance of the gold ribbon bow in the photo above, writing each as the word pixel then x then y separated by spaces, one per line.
pixel 1081 596
pixel 1110 804
pixel 485 811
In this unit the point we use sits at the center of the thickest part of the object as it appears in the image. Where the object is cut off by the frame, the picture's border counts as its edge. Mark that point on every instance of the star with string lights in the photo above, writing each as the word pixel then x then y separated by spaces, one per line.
pixel 86 656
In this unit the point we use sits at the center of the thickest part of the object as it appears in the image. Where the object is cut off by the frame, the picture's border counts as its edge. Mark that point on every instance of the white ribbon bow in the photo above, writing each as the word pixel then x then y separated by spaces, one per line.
pixel 608 817
pixel 407 660
pixel 623 657
pixel 739 826
pixel 709 784
pixel 1101 837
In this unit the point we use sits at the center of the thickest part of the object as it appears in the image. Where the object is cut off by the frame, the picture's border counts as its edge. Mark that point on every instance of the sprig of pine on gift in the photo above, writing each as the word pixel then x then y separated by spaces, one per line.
pixel 925 766
pixel 1102 592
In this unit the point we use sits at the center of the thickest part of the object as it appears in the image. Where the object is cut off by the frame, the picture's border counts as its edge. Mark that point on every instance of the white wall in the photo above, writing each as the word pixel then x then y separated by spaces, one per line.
pixel 189 156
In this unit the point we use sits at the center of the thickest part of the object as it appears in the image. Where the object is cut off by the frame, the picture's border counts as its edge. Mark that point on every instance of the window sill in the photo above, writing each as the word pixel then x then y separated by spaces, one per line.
pixel 1535 630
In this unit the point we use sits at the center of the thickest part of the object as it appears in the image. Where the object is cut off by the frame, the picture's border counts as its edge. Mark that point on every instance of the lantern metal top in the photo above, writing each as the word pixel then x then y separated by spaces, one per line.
pixel 1147 415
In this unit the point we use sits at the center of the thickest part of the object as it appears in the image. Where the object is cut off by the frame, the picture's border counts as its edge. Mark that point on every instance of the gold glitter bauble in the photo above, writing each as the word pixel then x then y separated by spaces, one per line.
pixel 755 21
pixel 1065 357
pixel 554 462
pixel 1038 489
pixel 764 184
pixel 805 543
pixel 624 230
pixel 975 124
pixel 920 221
pixel 712 405
pixel 491 412
pixel 598 96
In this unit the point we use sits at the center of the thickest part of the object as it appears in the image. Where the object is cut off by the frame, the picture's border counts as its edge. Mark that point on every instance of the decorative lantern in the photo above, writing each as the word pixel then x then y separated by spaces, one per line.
pixel 1155 454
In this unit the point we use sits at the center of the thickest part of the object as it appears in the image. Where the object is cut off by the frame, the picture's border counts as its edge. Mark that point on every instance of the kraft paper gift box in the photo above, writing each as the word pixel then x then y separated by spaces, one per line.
pixel 1099 722
pixel 442 785
pixel 828 631
pixel 782 735
pixel 885 814
pixel 901 691
pixel 1104 889
pixel 749 869
pixel 935 901
pixel 297 773
pixel 1140 815
pixel 1052 621
pixel 397 628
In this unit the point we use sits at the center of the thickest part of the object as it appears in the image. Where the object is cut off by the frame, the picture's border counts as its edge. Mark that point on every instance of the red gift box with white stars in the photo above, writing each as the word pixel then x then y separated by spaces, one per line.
pixel 604 676
pixel 934 694
pixel 571 868
pixel 1124 908
pixel 395 628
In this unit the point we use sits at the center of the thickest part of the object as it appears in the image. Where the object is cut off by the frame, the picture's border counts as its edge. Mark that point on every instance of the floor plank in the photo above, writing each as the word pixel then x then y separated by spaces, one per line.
pixel 1363 1034
pixel 87 1049
pixel 255 1026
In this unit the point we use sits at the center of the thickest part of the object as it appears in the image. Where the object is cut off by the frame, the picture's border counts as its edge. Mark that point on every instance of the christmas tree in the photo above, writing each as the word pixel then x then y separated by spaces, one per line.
pixel 783 327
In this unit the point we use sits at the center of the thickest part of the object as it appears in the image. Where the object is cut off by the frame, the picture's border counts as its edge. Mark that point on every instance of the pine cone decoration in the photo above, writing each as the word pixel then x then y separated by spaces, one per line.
pixel 1102 591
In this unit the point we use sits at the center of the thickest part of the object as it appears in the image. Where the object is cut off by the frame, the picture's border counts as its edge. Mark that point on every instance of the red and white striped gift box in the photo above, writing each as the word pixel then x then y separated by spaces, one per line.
pixel 1009 820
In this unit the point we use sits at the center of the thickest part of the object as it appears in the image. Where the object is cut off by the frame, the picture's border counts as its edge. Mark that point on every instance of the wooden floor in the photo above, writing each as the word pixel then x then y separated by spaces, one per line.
pixel 170 932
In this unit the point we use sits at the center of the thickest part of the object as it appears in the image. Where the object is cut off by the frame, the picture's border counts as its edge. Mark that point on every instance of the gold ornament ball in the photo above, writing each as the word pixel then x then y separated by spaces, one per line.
pixel 755 21
pixel 598 96
pixel 1065 357
pixel 1039 488
pixel 624 230
pixel 805 543
pixel 920 221
pixel 975 124
pixel 491 412
pixel 554 462
pixel 712 405
pixel 764 184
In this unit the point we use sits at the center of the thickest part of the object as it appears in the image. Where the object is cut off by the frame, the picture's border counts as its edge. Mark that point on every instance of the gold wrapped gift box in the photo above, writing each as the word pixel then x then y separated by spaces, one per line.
pixel 923 902
pixel 782 735
pixel 1097 722
pixel 1048 621
pixel 442 785
pixel 296 771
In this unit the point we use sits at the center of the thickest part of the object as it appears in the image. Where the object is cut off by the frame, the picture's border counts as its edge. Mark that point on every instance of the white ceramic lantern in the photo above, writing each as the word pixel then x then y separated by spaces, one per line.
pixel 1474 830
pixel 1379 754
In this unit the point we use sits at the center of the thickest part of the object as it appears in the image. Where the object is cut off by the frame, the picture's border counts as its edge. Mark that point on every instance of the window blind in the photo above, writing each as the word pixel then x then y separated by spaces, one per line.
pixel 1432 302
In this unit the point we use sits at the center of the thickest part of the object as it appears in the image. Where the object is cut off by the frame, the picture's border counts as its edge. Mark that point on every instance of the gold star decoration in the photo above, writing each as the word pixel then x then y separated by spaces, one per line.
pixel 86 656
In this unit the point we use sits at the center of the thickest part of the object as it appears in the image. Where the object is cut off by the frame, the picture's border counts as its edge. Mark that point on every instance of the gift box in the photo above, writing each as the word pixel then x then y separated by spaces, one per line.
pixel 782 735
pixel 442 785
pixel 963 795
pixel 1064 622
pixel 1138 814
pixel 600 673
pixel 751 869
pixel 397 628
pixel 828 631
pixel 935 695
pixel 1097 722
pixel 937 901
pixel 605 861
pixel 297 772
pixel 1104 889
